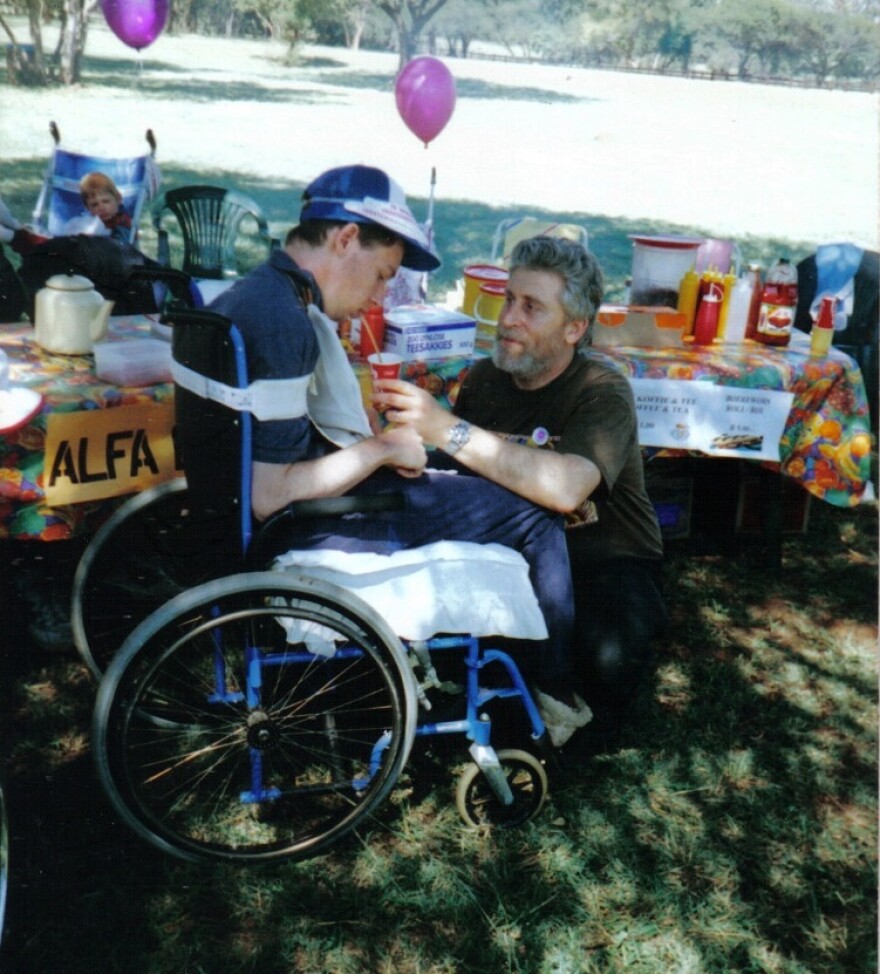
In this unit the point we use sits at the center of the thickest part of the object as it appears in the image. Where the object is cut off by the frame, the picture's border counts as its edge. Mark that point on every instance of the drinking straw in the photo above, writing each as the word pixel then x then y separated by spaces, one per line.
pixel 369 331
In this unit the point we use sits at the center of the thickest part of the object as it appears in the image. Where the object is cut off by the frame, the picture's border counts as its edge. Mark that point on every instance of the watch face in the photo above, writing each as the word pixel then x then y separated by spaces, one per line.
pixel 458 436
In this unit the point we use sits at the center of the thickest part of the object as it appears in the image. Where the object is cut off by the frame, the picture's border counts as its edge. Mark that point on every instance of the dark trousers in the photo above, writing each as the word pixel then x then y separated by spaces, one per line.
pixel 619 610
pixel 463 507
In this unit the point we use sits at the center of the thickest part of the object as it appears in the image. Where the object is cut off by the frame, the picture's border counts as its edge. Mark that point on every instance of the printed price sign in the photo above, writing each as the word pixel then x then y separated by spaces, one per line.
pixel 98 453
pixel 723 421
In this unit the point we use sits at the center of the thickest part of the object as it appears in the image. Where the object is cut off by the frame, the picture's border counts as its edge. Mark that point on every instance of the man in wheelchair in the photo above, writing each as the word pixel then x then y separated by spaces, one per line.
pixel 355 230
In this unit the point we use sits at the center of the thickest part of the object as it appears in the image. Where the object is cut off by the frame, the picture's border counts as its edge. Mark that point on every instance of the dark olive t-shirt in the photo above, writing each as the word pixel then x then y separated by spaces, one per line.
pixel 588 410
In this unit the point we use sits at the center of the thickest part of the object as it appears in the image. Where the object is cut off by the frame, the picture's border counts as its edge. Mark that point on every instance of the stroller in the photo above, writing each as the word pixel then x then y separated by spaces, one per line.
pixel 59 210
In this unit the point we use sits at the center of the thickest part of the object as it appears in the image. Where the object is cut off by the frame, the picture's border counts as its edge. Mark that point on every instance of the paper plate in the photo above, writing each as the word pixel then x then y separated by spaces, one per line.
pixel 18 406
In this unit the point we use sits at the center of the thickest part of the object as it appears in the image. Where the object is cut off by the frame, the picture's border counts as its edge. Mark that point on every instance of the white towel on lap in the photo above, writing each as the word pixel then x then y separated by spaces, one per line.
pixel 448 586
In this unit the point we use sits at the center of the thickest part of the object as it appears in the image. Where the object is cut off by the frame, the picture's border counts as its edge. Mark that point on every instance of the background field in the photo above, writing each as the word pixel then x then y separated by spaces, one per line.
pixel 735 831
pixel 780 169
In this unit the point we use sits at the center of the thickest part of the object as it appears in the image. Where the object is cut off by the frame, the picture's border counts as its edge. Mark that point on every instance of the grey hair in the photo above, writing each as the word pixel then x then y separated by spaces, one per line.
pixel 581 274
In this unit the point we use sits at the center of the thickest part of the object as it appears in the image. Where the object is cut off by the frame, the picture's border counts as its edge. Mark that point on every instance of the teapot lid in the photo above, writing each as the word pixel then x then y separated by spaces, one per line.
pixel 69 282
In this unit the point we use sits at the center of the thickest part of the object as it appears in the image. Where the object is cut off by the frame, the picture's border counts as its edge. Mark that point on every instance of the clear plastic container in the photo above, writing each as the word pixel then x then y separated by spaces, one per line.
pixel 659 264
pixel 133 361
pixel 738 310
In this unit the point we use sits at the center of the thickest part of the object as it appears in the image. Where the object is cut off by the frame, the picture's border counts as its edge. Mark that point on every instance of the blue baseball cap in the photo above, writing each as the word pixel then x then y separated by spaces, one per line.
pixel 363 194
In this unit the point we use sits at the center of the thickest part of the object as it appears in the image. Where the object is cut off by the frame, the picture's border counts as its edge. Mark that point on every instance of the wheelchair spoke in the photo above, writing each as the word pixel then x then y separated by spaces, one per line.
pixel 217 738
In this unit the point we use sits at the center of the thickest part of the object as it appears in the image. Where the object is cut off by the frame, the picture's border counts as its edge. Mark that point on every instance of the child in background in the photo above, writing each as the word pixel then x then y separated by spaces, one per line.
pixel 103 200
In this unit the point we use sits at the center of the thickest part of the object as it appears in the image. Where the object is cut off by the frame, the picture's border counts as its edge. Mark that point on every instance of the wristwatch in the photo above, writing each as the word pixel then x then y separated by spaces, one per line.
pixel 458 436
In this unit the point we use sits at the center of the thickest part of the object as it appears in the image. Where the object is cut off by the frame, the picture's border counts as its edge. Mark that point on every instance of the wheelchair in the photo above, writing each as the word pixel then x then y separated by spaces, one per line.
pixel 254 714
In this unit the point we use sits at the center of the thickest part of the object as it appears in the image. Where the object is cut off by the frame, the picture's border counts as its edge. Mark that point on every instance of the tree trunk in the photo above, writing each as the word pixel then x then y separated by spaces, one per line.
pixel 35 23
pixel 409 18
pixel 355 25
pixel 72 43
pixel 26 63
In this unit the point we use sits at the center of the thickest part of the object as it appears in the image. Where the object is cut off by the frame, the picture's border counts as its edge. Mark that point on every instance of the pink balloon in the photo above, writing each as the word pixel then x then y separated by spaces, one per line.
pixel 136 23
pixel 425 95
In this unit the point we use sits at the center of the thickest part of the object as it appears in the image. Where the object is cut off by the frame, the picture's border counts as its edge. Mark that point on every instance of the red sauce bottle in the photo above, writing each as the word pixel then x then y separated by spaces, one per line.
pixel 778 304
pixel 706 325
pixel 754 273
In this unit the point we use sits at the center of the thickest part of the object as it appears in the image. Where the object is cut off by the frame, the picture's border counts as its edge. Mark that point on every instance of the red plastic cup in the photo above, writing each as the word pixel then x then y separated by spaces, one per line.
pixel 384 365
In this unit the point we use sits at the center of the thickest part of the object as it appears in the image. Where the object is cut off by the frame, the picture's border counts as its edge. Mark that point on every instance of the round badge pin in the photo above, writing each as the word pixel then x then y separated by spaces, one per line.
pixel 540 436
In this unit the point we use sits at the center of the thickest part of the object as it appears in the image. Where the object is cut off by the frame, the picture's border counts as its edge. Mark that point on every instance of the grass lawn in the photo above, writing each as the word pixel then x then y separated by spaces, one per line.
pixel 735 831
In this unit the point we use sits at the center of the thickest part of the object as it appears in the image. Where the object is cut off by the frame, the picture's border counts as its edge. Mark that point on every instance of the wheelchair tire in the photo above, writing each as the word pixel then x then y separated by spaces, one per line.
pixel 150 549
pixel 209 763
pixel 478 805
pixel 4 858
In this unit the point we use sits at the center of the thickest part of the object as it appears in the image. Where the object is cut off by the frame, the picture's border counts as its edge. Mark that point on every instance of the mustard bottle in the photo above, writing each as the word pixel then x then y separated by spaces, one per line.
pixel 727 282
pixel 688 291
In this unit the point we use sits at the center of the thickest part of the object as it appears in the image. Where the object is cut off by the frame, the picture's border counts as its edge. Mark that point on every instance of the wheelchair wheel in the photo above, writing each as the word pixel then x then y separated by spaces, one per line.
pixel 152 548
pixel 218 735
pixel 4 858
pixel 478 804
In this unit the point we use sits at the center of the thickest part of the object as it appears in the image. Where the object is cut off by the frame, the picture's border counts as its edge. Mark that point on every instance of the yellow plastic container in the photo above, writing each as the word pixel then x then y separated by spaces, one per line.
pixel 688 290
pixel 474 276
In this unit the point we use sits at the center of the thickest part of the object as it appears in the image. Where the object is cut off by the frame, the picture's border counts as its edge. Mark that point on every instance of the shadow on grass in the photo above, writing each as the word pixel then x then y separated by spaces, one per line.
pixel 186 88
pixel 464 87
pixel 173 83
pixel 735 830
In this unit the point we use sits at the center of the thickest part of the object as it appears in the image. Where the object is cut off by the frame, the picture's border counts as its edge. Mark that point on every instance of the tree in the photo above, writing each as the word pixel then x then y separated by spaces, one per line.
pixel 831 45
pixel 754 31
pixel 410 17
pixel 26 65
pixel 460 23
pixel 337 20
pixel 32 67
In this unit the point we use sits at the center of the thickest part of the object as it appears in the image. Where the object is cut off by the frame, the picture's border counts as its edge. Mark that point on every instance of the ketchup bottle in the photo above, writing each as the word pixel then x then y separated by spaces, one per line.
pixel 778 304
pixel 706 325
pixel 823 328
pixel 754 273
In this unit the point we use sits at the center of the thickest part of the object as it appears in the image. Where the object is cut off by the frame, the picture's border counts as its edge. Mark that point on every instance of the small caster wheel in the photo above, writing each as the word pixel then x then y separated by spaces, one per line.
pixel 478 805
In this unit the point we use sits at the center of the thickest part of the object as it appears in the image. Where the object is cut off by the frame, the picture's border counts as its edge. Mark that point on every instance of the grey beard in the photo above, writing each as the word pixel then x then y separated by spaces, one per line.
pixel 524 366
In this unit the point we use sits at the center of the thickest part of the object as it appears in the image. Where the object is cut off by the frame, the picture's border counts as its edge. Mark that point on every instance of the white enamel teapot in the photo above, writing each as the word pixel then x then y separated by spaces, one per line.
pixel 70 315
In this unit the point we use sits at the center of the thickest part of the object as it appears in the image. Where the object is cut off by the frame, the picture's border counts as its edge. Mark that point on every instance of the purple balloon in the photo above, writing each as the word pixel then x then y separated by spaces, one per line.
pixel 425 95
pixel 136 22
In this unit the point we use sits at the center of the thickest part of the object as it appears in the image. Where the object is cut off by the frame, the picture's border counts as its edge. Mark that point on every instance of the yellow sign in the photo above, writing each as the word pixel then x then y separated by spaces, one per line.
pixel 98 453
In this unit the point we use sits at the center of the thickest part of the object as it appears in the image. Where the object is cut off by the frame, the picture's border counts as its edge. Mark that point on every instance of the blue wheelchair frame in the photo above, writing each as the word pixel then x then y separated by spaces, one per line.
pixel 474 727
pixel 473 723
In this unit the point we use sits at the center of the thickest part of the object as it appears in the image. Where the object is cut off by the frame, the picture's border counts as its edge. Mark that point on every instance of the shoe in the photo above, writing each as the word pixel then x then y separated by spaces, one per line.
pixel 559 718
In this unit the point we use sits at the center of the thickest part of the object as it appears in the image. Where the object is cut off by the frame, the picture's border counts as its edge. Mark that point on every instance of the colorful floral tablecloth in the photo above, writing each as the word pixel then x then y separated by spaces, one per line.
pixel 826 443
pixel 68 383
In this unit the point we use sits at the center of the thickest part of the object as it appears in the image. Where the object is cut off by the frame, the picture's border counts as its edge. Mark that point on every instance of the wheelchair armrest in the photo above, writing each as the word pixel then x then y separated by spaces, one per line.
pixel 266 540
